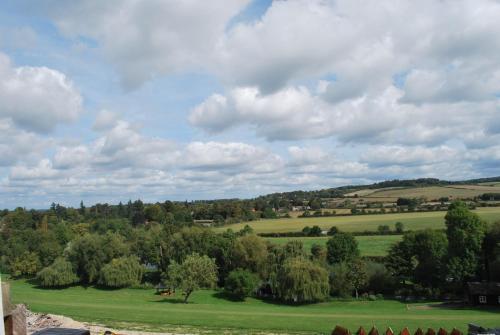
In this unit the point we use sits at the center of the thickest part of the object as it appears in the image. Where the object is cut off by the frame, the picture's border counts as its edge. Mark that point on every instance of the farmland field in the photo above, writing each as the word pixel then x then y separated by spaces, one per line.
pixel 377 245
pixel 212 313
pixel 354 223
pixel 431 192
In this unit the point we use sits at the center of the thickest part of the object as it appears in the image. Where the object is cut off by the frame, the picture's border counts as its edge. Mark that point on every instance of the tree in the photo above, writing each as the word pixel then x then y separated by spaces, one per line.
pixel 300 280
pixel 465 232
pixel 89 253
pixel 384 229
pixel 58 274
pixel 491 248
pixel 250 252
pixel 194 273
pixel 358 275
pixel 419 257
pixel 342 247
pixel 340 283
pixel 121 272
pixel 27 264
pixel 332 231
pixel 315 231
pixel 318 253
pixel 399 227
pixel 241 283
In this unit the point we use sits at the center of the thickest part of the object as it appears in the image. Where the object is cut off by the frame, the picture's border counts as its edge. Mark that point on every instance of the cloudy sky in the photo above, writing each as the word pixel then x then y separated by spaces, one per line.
pixel 159 99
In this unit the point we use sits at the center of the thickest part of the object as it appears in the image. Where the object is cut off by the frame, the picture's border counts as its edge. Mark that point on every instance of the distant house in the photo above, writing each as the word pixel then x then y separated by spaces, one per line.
pixel 484 293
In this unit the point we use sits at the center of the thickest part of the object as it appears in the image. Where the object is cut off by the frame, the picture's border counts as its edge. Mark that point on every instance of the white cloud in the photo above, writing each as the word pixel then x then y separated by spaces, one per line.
pixel 146 39
pixel 105 120
pixel 37 98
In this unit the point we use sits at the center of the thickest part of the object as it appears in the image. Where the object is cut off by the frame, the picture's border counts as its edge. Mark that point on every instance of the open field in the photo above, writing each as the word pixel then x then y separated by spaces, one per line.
pixel 209 310
pixel 431 192
pixel 411 221
pixel 377 245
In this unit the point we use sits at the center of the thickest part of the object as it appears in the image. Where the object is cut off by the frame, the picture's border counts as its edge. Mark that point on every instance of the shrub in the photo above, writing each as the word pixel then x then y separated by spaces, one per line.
pixel 241 283
pixel 121 272
pixel 58 274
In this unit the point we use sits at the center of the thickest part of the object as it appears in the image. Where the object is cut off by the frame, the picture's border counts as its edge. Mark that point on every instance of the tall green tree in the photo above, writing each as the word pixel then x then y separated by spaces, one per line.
pixel 342 247
pixel 194 273
pixel 465 232
pixel 300 280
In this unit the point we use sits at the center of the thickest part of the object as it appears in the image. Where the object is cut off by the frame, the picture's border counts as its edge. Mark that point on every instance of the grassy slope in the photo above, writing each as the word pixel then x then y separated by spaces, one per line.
pixel 208 310
pixel 368 245
pixel 413 221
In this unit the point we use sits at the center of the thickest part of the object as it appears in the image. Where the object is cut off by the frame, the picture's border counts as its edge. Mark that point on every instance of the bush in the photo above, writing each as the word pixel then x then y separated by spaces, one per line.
pixel 121 272
pixel 59 274
pixel 241 283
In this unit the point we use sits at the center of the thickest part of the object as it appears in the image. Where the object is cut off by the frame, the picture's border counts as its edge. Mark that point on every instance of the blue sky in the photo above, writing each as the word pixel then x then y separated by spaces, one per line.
pixel 110 101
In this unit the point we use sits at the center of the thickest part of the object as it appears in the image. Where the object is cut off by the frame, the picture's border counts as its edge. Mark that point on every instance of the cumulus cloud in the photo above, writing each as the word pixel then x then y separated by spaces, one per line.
pixel 146 39
pixel 37 98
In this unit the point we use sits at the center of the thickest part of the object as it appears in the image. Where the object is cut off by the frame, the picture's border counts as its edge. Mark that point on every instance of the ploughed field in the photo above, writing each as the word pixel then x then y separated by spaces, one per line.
pixel 376 245
pixel 359 223
pixel 211 313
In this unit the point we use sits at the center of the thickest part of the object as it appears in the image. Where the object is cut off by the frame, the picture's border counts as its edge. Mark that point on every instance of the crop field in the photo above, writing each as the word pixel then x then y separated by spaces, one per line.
pixel 353 223
pixel 209 312
pixel 377 245
pixel 431 192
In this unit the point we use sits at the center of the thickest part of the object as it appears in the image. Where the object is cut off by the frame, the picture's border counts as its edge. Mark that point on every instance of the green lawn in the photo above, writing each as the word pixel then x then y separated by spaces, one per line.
pixel 413 221
pixel 377 245
pixel 212 313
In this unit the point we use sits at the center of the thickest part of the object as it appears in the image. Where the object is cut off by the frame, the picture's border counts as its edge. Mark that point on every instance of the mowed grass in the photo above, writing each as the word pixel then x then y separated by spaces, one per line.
pixel 357 223
pixel 377 245
pixel 209 310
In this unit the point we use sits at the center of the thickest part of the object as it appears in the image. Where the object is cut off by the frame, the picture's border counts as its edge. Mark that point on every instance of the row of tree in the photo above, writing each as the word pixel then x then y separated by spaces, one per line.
pixel 115 252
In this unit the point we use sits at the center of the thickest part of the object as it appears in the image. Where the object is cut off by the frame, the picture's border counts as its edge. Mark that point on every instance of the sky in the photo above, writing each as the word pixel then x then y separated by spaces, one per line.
pixel 106 101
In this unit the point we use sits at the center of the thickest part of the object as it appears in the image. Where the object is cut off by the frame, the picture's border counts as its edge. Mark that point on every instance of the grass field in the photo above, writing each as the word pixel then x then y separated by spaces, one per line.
pixel 411 221
pixel 377 245
pixel 209 311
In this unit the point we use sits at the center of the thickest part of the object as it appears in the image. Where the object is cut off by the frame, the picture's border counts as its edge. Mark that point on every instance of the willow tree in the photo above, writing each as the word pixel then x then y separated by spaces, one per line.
pixel 300 280
pixel 58 274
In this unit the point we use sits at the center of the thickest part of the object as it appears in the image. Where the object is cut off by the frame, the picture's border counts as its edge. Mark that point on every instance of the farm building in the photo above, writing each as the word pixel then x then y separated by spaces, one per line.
pixel 484 293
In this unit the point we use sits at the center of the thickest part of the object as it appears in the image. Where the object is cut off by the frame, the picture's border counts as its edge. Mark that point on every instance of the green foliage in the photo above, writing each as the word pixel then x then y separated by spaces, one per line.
pixel 89 253
pixel 379 279
pixel 332 231
pixel 384 229
pixel 465 232
pixel 194 273
pixel 300 280
pixel 121 272
pixel 419 257
pixel 340 283
pixel 241 283
pixel 342 247
pixel 399 227
pixel 250 252
pixel 27 265
pixel 58 274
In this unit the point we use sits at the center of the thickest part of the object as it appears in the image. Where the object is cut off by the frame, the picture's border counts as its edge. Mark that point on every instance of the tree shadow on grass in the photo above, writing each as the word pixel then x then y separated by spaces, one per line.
pixel 225 296
pixel 461 306
pixel 36 285
pixel 171 301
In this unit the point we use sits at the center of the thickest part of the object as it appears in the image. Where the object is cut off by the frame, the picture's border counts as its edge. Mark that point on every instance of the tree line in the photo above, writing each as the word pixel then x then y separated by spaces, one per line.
pixel 56 251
